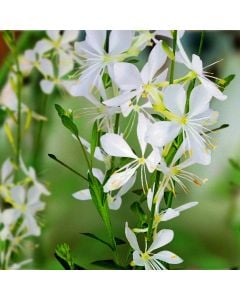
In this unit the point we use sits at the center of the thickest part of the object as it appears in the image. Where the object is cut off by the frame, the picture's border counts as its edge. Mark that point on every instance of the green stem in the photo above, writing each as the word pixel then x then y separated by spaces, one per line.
pixel 85 154
pixel 152 213
pixel 52 156
pixel 173 61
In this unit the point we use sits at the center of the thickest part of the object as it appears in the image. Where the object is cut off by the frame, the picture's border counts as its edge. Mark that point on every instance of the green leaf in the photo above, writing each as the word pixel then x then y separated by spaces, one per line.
pixel 168 50
pixel 234 164
pixel 99 199
pixel 67 119
pixel 64 257
pixel 119 241
pixel 94 140
pixel 136 208
pixel 107 264
pixel 93 236
pixel 223 83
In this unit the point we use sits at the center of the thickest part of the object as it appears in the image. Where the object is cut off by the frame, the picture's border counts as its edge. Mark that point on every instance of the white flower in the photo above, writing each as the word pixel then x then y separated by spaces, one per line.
pixel 196 67
pixel 95 59
pixel 191 123
pixel 28 203
pixel 8 217
pixel 65 65
pixel 114 201
pixel 135 84
pixel 149 259
pixel 31 174
pixel 115 145
pixel 6 178
pixel 56 41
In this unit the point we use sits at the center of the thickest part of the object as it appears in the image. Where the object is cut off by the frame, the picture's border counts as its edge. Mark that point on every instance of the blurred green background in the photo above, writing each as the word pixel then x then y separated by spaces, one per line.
pixel 206 237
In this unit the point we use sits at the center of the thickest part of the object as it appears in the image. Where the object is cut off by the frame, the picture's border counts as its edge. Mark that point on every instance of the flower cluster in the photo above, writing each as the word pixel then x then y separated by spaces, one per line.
pixel 169 117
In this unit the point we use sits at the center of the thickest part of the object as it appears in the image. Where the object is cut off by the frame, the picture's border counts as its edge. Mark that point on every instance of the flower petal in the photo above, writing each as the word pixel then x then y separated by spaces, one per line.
pixel 120 41
pixel 118 179
pixel 82 195
pixel 212 88
pixel 168 257
pixel 69 36
pixel 186 206
pixel 142 128
pixel 98 174
pixel 47 86
pixel 53 34
pixel 131 237
pixel 120 99
pixel 96 39
pixel 43 46
pixel 156 60
pixel 153 160
pixel 174 98
pixel 162 133
pixel 18 194
pixel 127 76
pixel 6 171
pixel 114 145
pixel 199 100
pixel 162 238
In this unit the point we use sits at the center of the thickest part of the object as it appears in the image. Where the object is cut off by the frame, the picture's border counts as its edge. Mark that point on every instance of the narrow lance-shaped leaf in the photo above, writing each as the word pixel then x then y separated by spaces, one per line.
pixel 67 120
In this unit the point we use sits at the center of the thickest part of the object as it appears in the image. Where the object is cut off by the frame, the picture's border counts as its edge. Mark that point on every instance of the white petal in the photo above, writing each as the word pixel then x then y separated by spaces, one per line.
pixel 127 76
pixel 118 179
pixel 212 88
pixel 150 198
pixel 53 34
pixel 162 238
pixel 131 237
pixel 142 128
pixel 162 133
pixel 6 171
pixel 153 160
pixel 46 67
pixel 199 100
pixel 120 99
pixel 156 60
pixel 116 203
pixel 98 174
pixel 168 257
pixel 65 64
pixel 33 195
pixel 197 64
pixel 69 36
pixel 186 206
pixel 174 98
pixel 96 39
pixel 18 194
pixel 126 108
pixel 161 77
pixel 120 41
pixel 114 145
pixel 82 195
pixel 127 186
pixel 181 56
pixel 137 258
pixel 169 214
pixel 43 46
pixel 47 86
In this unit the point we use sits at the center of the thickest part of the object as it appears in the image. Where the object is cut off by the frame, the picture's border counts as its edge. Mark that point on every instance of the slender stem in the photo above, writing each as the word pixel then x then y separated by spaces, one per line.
pixel 37 147
pixel 173 61
pixel 152 213
pixel 85 154
pixel 52 156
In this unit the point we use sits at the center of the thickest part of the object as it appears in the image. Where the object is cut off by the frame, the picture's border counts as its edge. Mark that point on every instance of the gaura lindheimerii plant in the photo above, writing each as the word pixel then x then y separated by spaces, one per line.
pixel 170 118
